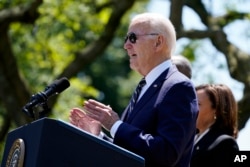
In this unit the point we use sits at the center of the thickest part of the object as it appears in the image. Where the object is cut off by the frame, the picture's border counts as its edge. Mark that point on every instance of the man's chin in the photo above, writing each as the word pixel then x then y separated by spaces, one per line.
pixel 132 66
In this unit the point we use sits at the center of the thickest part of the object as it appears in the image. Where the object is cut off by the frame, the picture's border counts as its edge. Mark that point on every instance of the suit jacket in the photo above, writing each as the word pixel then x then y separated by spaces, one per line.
pixel 214 149
pixel 161 127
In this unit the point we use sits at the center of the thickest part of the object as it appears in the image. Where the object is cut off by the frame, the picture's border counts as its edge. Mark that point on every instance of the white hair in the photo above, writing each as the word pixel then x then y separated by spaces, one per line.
pixel 161 25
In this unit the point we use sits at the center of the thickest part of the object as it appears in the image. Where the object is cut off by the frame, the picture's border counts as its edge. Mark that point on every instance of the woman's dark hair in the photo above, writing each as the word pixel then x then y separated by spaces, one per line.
pixel 223 101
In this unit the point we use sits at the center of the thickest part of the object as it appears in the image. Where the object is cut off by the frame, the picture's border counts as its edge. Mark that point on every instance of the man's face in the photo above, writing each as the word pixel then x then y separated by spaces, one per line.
pixel 140 47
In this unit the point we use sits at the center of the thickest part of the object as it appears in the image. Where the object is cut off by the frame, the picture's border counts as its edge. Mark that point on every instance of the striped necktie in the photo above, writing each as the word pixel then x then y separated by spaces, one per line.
pixel 135 96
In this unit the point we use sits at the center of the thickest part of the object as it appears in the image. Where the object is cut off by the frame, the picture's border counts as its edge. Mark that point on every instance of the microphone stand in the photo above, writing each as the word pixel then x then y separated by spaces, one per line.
pixel 36 114
pixel 45 110
pixel 38 111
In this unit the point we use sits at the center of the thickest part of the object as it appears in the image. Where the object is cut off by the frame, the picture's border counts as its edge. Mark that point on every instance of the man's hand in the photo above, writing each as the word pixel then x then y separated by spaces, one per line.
pixel 101 113
pixel 82 121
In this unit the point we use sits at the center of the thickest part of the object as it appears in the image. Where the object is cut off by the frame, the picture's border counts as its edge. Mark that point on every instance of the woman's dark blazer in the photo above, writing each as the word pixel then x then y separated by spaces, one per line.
pixel 214 149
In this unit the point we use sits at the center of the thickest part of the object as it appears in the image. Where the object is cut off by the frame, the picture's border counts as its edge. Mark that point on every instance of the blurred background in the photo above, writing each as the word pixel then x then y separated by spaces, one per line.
pixel 43 40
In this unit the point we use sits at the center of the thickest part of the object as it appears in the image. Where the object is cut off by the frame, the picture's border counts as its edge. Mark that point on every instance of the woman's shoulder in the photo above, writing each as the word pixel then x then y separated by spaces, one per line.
pixel 225 141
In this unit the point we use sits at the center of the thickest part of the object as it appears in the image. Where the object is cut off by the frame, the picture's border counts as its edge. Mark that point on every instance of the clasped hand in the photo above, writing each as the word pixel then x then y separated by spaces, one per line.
pixel 93 115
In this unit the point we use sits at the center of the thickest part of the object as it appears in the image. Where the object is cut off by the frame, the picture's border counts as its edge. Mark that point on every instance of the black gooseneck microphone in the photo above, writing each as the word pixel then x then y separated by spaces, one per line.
pixel 55 88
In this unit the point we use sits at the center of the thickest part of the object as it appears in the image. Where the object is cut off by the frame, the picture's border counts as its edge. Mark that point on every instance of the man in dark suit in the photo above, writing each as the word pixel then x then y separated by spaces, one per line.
pixel 159 122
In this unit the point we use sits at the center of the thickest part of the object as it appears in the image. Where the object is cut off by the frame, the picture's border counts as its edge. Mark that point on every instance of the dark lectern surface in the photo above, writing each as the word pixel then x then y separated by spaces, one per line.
pixel 55 143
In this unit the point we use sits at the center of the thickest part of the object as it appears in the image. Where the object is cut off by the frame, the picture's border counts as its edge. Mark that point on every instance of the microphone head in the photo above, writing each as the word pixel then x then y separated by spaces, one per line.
pixel 56 87
pixel 61 84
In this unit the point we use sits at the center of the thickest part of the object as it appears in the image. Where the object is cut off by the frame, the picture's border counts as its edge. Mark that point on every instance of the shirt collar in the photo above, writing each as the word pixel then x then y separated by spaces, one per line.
pixel 198 137
pixel 156 72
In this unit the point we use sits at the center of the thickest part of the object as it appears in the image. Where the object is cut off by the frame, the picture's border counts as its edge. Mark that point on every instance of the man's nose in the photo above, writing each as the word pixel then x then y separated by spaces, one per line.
pixel 127 45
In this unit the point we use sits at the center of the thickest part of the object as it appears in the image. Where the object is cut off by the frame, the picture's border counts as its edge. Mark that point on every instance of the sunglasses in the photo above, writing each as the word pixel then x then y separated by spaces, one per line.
pixel 132 37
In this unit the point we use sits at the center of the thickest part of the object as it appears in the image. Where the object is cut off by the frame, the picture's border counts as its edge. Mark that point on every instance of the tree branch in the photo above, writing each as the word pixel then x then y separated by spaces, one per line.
pixel 93 50
pixel 224 20
pixel 238 61
pixel 11 82
pixel 176 13
pixel 25 14
pixel 200 9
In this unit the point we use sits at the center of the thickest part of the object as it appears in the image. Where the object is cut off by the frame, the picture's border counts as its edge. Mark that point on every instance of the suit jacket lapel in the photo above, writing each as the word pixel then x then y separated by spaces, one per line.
pixel 123 116
pixel 206 140
pixel 154 88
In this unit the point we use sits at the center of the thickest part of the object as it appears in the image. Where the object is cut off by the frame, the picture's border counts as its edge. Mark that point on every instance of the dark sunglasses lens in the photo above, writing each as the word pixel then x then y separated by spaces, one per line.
pixel 131 37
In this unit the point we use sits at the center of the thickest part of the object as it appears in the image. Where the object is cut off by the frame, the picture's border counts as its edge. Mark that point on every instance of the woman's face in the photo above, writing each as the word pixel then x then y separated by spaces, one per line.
pixel 206 112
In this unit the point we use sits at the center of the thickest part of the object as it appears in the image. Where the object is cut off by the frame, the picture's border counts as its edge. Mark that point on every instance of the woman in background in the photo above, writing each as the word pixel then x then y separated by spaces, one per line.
pixel 215 142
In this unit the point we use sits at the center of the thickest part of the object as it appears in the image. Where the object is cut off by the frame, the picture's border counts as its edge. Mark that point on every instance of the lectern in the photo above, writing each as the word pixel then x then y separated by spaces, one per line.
pixel 55 143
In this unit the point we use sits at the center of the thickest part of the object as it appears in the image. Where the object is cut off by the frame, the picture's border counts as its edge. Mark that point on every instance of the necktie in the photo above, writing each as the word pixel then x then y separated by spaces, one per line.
pixel 136 96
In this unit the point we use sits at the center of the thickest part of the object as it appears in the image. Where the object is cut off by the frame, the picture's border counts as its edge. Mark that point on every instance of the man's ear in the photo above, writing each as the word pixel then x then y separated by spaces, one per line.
pixel 159 41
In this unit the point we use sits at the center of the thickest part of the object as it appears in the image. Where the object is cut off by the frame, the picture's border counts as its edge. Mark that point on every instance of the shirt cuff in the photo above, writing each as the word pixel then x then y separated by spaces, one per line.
pixel 114 128
pixel 101 135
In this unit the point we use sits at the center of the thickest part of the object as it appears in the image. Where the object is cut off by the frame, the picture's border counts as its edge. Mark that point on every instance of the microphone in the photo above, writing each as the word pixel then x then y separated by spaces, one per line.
pixel 55 88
